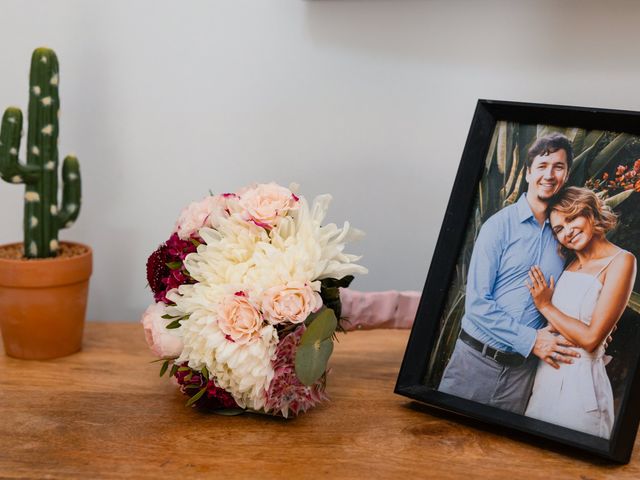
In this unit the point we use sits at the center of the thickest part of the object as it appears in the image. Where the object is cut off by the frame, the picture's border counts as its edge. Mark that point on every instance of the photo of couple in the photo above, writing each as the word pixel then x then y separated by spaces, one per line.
pixel 545 278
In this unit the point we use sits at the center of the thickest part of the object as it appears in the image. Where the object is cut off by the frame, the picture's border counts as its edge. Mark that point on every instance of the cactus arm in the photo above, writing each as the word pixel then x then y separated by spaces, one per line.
pixel 11 170
pixel 71 192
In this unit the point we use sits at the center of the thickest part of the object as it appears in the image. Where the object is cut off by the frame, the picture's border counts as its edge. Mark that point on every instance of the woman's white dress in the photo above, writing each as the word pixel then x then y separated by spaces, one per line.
pixel 577 395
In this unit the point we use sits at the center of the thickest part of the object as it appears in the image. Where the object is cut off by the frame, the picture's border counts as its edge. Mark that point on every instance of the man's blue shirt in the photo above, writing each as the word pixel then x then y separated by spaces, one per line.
pixel 499 309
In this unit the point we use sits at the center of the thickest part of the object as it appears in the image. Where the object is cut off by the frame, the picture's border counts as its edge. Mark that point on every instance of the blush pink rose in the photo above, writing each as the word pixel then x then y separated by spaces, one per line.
pixel 159 339
pixel 238 319
pixel 292 302
pixel 203 213
pixel 265 203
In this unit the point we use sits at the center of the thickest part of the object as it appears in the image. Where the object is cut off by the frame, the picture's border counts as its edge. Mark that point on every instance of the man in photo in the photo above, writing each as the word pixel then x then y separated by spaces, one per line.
pixel 503 334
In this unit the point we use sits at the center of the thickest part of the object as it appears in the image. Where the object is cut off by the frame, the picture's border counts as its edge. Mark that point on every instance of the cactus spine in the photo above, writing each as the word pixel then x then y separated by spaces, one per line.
pixel 43 218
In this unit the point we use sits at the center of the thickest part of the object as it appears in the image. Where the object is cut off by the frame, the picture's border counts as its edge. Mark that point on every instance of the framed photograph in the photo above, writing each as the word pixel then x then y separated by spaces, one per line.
pixel 530 315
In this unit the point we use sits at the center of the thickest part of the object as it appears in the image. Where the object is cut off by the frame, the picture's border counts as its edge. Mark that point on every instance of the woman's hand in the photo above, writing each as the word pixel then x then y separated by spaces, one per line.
pixel 540 290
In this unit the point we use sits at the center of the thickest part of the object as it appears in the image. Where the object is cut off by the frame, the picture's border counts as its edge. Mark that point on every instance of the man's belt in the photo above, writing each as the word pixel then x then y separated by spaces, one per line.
pixel 504 358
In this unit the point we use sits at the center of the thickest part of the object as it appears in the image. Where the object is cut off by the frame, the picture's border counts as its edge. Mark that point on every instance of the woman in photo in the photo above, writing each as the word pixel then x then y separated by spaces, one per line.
pixel 584 306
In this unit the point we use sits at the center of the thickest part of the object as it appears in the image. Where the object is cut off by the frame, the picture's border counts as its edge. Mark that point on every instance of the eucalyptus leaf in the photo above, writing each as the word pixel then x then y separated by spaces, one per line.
pixel 321 328
pixel 313 315
pixel 196 397
pixel 311 360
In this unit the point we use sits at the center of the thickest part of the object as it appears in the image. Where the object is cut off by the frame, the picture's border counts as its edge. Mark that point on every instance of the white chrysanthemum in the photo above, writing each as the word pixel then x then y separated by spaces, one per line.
pixel 227 253
pixel 243 370
pixel 313 250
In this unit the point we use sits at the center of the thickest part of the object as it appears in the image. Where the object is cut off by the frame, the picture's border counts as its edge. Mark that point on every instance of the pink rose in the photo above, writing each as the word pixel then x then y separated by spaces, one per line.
pixel 292 302
pixel 238 319
pixel 159 339
pixel 266 202
pixel 202 214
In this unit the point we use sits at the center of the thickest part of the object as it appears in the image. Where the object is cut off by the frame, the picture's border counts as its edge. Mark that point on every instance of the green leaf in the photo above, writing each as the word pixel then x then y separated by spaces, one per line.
pixel 321 328
pixel 205 373
pixel 196 397
pixel 174 324
pixel 195 242
pixel 343 282
pixel 174 265
pixel 174 370
pixel 229 411
pixel 162 359
pixel 616 200
pixel 607 154
pixel 164 367
pixel 312 316
pixel 590 140
pixel 166 316
pixel 579 169
pixel 634 302
pixel 183 369
pixel 311 360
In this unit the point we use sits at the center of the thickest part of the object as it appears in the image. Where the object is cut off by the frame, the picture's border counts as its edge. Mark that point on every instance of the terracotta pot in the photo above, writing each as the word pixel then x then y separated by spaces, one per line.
pixel 43 304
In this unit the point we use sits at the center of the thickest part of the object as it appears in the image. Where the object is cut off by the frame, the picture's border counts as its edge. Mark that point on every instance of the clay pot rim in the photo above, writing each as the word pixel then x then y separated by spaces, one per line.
pixel 44 261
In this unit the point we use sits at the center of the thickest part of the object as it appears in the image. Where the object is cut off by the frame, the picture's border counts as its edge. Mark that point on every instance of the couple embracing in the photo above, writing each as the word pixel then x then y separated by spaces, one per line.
pixel 545 289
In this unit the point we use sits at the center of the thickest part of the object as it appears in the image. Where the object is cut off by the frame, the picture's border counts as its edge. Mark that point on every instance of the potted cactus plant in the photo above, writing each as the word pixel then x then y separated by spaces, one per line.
pixel 43 282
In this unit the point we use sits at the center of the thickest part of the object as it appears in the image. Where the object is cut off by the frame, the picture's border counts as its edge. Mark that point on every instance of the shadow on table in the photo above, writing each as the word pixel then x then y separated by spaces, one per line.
pixel 522 437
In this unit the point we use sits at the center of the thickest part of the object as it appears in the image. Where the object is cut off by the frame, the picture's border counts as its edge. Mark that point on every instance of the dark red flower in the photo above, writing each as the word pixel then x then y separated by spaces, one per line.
pixel 165 268
pixel 192 381
pixel 157 271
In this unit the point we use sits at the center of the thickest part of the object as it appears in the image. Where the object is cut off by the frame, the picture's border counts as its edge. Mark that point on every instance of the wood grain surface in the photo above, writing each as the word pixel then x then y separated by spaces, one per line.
pixel 105 413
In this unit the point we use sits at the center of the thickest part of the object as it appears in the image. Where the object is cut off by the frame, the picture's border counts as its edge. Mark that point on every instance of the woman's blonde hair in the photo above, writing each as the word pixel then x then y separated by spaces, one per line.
pixel 573 202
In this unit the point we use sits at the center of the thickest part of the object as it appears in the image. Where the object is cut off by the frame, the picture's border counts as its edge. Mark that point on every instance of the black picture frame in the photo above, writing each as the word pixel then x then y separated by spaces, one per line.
pixel 410 382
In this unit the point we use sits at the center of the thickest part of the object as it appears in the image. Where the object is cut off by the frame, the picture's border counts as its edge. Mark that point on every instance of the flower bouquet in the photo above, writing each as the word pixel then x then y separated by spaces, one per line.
pixel 247 300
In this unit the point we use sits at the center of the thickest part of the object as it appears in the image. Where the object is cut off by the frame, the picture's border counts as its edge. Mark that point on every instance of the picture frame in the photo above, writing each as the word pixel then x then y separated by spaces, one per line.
pixel 421 356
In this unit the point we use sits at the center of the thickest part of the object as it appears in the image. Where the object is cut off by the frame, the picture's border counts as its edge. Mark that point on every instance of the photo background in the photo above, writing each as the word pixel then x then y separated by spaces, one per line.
pixel 608 163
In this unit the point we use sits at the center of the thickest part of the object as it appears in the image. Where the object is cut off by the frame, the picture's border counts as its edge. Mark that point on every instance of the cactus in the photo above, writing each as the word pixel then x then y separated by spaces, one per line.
pixel 43 218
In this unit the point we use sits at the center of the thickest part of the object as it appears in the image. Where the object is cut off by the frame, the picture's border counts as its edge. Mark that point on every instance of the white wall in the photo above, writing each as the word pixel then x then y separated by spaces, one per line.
pixel 370 100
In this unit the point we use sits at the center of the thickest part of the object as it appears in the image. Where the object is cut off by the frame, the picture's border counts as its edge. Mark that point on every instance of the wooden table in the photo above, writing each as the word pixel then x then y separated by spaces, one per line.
pixel 105 413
